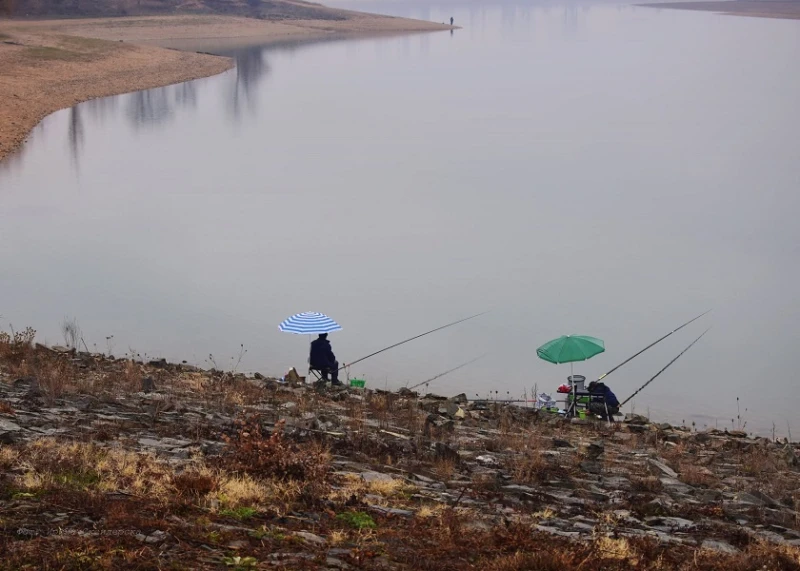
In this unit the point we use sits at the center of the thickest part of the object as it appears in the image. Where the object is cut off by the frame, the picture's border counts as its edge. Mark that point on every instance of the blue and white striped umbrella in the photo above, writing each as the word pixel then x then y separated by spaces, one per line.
pixel 309 322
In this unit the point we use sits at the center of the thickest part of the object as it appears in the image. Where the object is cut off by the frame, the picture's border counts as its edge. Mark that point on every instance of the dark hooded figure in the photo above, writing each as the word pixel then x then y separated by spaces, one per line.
pixel 602 398
pixel 451 20
pixel 323 360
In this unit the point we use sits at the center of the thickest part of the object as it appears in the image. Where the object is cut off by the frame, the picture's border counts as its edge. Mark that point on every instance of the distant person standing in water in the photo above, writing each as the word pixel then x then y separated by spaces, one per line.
pixel 451 20
pixel 323 360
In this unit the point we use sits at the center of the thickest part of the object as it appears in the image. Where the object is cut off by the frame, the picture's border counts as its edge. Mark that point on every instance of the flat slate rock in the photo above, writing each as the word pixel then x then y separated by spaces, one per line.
pixel 670 522
pixel 391 511
pixel 720 546
pixel 559 532
pixel 310 538
pixel 519 489
pixel 376 477
pixel 8 426
pixel 666 470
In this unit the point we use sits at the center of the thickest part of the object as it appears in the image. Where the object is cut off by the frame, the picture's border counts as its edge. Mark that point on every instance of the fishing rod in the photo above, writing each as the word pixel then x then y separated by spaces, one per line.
pixel 601 377
pixel 664 369
pixel 500 401
pixel 412 338
pixel 447 372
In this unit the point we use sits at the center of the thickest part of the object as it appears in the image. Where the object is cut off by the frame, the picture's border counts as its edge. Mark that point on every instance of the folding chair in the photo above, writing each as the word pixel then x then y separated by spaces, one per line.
pixel 319 374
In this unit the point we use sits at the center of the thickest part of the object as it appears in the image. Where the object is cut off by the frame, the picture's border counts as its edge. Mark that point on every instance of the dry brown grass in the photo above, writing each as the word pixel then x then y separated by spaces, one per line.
pixel 52 466
pixel 617 548
pixel 17 345
pixel 126 376
pixel 55 374
pixel 390 488
pixel 337 537
pixel 352 488
pixel 236 491
pixel 196 483
pixel 759 462
pixel 268 480
pixel 545 514
pixel 531 467
pixel 410 417
pixel 272 456
pixel 646 484
pixel 427 511
pixel 541 561
pixel 674 454
pixel 444 468
pixel 49 464
pixel 695 475
pixel 437 538
pixel 531 461
pixel 380 407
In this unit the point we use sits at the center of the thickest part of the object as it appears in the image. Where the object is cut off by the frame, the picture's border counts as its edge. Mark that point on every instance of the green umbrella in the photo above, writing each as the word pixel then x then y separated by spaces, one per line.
pixel 568 349
pixel 571 348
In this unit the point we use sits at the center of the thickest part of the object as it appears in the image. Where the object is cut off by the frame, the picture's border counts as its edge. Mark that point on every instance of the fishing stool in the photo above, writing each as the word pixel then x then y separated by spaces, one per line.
pixel 319 374
pixel 316 373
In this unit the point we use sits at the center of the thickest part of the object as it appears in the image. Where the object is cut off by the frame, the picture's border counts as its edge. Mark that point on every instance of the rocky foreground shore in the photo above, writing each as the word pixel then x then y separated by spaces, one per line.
pixel 117 464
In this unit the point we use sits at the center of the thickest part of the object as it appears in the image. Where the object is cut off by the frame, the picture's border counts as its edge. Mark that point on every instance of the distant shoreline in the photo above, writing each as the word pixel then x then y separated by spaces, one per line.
pixel 48 64
pixel 787 10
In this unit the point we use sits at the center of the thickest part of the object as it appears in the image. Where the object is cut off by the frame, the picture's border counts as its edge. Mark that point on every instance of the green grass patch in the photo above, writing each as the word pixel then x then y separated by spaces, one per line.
pixel 239 513
pixel 52 54
pixel 238 562
pixel 78 480
pixel 75 42
pixel 263 532
pixel 15 493
pixel 357 520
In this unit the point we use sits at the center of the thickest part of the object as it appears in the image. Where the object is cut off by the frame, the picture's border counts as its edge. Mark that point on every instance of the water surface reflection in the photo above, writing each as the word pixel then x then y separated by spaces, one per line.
pixel 578 167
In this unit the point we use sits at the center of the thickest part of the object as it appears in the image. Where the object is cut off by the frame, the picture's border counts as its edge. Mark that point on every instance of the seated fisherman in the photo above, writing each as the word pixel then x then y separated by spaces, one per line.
pixel 323 360
pixel 602 399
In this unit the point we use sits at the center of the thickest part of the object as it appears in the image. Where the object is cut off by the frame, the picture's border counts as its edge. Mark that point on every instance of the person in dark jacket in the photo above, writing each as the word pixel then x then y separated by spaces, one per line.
pixel 323 360
pixel 602 398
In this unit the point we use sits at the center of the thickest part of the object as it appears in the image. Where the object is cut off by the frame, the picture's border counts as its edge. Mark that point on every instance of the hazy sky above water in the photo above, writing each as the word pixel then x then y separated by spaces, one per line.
pixel 590 168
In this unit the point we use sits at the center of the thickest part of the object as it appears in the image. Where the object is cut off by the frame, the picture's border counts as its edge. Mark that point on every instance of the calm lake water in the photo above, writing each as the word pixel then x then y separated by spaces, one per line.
pixel 592 168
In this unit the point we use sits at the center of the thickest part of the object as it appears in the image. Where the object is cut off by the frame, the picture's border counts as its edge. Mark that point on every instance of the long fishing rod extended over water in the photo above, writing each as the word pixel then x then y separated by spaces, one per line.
pixel 664 369
pixel 412 338
pixel 604 375
pixel 447 372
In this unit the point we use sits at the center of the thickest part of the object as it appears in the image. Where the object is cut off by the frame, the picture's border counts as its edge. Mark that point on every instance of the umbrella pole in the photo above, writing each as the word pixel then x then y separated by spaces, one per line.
pixel 574 407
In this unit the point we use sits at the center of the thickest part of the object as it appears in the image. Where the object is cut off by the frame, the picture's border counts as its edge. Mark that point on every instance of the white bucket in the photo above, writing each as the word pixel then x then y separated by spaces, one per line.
pixel 578 381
